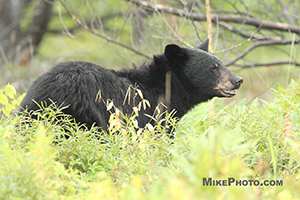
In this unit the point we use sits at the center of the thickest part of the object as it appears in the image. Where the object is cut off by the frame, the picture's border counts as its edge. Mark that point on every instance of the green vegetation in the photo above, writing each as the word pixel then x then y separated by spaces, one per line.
pixel 256 142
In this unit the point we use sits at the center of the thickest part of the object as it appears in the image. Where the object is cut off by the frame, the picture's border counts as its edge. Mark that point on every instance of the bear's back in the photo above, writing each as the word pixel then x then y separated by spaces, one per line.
pixel 83 87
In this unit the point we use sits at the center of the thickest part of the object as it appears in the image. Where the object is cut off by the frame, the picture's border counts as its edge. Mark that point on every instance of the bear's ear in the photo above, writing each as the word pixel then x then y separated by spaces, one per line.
pixel 174 53
pixel 204 45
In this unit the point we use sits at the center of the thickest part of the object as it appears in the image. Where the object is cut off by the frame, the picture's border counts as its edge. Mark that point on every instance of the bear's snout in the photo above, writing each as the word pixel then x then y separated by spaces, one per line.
pixel 238 81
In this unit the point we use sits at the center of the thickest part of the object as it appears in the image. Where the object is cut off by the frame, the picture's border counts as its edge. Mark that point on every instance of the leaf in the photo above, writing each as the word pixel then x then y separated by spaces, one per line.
pixel 3 98
pixel 6 111
pixel 98 96
pixel 110 104
pixel 10 91
pixel 146 103
pixel 127 95
pixel 149 127
pixel 140 93
pixel 136 111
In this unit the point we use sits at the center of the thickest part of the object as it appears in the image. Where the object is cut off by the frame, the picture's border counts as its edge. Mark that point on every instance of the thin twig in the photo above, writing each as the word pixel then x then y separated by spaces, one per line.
pixel 291 55
pixel 209 26
pixel 261 93
pixel 258 44
pixel 108 39
pixel 250 37
pixel 285 12
pixel 269 64
pixel 246 35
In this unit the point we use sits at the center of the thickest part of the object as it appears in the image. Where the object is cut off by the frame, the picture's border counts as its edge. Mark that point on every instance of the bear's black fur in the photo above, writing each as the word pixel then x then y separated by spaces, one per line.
pixel 196 76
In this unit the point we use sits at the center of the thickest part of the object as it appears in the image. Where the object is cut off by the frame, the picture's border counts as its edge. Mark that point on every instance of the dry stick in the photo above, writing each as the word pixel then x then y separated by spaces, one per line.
pixel 168 91
pixel 209 33
pixel 289 69
pixel 209 27
pixel 108 39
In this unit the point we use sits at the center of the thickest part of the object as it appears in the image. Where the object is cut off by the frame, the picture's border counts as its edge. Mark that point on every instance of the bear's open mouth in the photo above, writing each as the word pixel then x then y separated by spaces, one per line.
pixel 229 92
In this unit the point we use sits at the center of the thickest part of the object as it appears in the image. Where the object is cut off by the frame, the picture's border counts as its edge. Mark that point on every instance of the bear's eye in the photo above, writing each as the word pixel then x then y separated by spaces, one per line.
pixel 216 65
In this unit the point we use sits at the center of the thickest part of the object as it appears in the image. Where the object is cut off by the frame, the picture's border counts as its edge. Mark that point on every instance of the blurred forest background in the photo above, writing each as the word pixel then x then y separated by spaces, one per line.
pixel 258 40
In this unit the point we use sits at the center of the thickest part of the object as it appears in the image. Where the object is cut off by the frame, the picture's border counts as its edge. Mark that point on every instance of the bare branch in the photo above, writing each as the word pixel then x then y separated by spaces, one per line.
pixel 108 39
pixel 89 22
pixel 209 26
pixel 285 12
pixel 243 66
pixel 258 44
pixel 246 35
pixel 197 16
pixel 233 12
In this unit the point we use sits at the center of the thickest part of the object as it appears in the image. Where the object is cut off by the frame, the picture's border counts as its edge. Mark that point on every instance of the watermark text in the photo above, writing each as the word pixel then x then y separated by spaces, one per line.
pixel 234 182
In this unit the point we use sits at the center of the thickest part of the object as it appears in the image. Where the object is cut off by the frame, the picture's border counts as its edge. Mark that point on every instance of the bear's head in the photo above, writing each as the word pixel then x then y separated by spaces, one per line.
pixel 202 72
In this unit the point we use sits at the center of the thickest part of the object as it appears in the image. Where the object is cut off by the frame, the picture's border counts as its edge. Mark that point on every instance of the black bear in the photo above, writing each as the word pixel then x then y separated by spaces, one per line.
pixel 196 76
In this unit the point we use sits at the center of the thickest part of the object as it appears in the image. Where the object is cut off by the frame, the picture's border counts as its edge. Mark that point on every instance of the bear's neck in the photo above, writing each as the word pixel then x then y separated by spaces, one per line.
pixel 151 79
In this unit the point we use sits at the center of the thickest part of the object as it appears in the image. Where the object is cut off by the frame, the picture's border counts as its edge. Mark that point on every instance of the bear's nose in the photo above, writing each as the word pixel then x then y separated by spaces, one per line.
pixel 238 80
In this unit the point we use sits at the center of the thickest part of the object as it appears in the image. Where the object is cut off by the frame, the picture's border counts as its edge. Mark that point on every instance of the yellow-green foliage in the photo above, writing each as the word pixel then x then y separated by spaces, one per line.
pixel 8 102
pixel 33 172
pixel 256 142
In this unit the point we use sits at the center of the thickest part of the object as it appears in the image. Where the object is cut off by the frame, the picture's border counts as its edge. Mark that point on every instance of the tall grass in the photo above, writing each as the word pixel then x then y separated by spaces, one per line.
pixel 256 142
